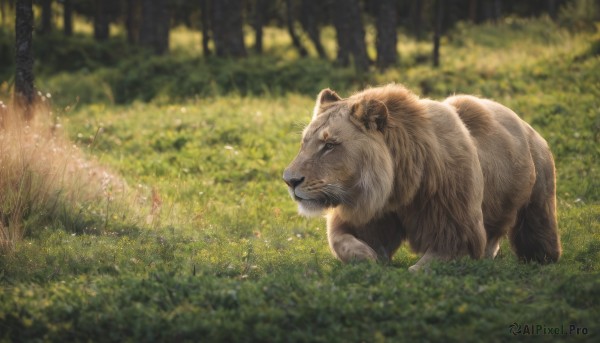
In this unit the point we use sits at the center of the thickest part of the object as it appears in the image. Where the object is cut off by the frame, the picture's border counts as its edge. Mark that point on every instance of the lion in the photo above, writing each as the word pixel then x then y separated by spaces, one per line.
pixel 451 177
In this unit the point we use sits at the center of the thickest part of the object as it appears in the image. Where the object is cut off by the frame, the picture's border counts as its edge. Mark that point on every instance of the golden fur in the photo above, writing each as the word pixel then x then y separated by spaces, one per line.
pixel 449 177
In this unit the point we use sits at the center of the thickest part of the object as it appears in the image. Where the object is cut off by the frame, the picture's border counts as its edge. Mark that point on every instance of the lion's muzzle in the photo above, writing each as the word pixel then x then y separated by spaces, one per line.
pixel 292 179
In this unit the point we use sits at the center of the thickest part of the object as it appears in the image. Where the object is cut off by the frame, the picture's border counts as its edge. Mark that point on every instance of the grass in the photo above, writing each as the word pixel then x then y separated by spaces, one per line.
pixel 45 180
pixel 216 251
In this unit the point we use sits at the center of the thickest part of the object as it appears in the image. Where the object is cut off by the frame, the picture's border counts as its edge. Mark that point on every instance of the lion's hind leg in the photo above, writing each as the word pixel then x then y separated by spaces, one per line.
pixel 535 234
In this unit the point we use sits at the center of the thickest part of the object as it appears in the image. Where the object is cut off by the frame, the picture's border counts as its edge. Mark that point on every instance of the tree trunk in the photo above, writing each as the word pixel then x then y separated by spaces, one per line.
pixel 437 31
pixel 2 11
pixel 416 14
pixel 497 10
pixel 24 91
pixel 341 25
pixel 358 47
pixel 492 10
pixel 350 34
pixel 258 23
pixel 309 21
pixel 387 39
pixel 227 28
pixel 290 25
pixel 132 21
pixel 205 13
pixel 473 11
pixel 154 32
pixel 552 9
pixel 101 24
pixel 68 18
pixel 46 17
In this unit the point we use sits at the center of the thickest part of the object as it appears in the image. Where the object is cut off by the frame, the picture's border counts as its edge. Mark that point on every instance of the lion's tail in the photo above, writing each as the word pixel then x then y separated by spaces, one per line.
pixel 535 234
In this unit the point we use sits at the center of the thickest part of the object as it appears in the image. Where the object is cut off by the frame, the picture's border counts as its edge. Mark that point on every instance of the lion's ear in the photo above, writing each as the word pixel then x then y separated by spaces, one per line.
pixel 372 113
pixel 325 96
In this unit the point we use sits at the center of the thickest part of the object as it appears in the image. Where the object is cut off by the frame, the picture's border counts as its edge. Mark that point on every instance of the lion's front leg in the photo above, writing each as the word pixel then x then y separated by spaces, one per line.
pixel 345 245
pixel 350 249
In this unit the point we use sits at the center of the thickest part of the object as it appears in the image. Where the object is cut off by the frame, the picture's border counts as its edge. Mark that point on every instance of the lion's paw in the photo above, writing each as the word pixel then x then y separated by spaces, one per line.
pixel 414 269
pixel 365 253
pixel 356 251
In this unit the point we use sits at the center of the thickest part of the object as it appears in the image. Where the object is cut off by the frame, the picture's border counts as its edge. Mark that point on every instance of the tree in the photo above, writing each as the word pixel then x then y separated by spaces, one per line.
pixel 473 11
pixel 68 18
pixel 342 38
pixel 387 39
pixel 309 19
pixel 205 21
pixel 350 34
pixel 154 32
pixel 437 31
pixel 552 9
pixel 289 10
pixel 2 11
pixel 227 28
pixel 24 91
pixel 46 16
pixel 416 18
pixel 492 10
pixel 101 27
pixel 132 21
pixel 258 23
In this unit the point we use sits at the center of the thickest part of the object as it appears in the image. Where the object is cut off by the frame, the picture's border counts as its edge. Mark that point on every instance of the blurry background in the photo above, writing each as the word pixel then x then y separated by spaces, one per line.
pixel 119 51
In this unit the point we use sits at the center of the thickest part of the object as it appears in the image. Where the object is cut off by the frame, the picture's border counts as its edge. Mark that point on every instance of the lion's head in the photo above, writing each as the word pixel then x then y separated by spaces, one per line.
pixel 344 162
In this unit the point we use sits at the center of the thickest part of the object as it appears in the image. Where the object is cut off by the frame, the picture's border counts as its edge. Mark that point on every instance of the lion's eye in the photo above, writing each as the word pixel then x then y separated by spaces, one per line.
pixel 329 146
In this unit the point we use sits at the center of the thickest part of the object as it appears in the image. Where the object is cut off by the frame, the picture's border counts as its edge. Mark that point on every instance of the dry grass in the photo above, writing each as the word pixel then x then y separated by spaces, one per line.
pixel 43 176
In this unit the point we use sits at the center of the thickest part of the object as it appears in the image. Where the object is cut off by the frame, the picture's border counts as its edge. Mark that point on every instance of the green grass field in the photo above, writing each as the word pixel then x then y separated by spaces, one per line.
pixel 205 244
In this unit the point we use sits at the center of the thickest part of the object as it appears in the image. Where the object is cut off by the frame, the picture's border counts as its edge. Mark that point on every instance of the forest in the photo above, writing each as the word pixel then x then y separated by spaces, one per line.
pixel 142 146
pixel 365 38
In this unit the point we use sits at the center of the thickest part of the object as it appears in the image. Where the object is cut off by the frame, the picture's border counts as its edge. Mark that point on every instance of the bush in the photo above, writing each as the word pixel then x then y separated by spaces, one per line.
pixel 176 77
pixel 55 53
pixel 80 87
pixel 580 15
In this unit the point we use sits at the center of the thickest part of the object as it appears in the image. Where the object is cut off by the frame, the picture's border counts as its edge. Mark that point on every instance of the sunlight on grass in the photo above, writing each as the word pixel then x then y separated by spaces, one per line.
pixel 43 176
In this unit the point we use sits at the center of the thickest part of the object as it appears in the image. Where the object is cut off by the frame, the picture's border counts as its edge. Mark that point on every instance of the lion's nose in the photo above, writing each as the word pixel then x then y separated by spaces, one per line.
pixel 292 180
